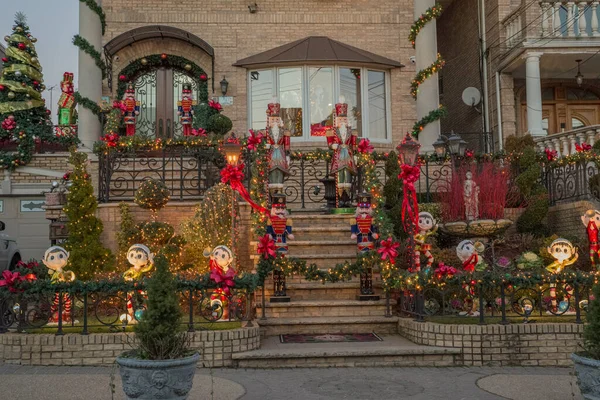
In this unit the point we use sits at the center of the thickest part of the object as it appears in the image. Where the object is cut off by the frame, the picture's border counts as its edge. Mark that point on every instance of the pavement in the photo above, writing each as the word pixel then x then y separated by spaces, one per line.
pixel 484 383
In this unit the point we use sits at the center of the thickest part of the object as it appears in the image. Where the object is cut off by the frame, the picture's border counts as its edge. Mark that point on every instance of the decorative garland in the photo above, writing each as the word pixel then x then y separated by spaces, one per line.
pixel 422 75
pixel 430 14
pixel 148 63
pixel 89 104
pixel 92 5
pixel 86 46
pixel 135 143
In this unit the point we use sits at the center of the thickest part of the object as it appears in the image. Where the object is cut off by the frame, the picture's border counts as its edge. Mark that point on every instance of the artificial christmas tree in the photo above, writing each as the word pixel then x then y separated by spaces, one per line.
pixel 23 114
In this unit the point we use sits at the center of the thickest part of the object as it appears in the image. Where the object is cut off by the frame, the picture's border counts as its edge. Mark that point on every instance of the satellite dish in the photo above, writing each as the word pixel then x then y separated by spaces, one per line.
pixel 471 96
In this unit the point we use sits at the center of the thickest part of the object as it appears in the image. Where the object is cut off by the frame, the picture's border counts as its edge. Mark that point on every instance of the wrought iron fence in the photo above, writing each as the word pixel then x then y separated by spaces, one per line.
pixel 571 181
pixel 62 312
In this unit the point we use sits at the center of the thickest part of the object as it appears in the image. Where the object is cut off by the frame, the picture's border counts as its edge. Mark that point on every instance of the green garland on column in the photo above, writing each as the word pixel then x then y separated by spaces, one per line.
pixel 86 46
pixel 434 115
pixel 89 104
pixel 92 5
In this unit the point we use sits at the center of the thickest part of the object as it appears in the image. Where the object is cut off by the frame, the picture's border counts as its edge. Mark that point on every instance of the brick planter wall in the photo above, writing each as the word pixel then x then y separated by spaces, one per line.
pixel 500 345
pixel 215 347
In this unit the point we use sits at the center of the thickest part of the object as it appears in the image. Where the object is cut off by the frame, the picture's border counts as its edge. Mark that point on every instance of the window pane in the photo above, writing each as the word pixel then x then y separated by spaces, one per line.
pixel 576 123
pixel 290 98
pixel 350 89
pixel 261 90
pixel 321 99
pixel 377 113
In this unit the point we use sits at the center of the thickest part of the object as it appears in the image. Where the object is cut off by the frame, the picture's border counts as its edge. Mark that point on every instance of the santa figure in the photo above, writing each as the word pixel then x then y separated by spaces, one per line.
pixel 66 102
pixel 591 220
pixel 278 144
pixel 56 258
pixel 342 140
pixel 279 227
pixel 222 273
pixel 132 110
pixel 185 109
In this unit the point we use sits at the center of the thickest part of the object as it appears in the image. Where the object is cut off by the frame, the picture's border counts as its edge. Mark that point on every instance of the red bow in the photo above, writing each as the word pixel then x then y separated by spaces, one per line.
pixel 409 175
pixel 120 105
pixel 198 132
pixel 365 146
pixel 215 104
pixel 470 263
pixel 582 147
pixel 111 139
pixel 9 123
pixel 551 154
pixel 445 270
pixel 388 250
pixel 266 247
pixel 254 140
pixel 234 176
pixel 469 153
pixel 11 279
pixel 224 280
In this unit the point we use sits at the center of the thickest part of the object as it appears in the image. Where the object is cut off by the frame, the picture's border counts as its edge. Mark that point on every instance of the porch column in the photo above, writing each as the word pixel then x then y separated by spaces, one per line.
pixel 426 54
pixel 89 81
pixel 534 94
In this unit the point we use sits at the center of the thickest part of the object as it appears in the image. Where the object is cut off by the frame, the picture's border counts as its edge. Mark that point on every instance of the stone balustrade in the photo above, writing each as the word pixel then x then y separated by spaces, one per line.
pixel 564 142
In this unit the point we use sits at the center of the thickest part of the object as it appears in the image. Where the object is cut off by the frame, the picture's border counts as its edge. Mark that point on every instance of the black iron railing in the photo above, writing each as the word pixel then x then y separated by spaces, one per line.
pixel 571 182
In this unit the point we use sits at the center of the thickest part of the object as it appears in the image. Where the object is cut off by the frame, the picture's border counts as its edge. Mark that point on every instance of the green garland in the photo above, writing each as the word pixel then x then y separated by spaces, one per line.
pixel 433 116
pixel 86 46
pixel 207 146
pixel 92 5
pixel 424 74
pixel 89 104
pixel 139 67
pixel 430 14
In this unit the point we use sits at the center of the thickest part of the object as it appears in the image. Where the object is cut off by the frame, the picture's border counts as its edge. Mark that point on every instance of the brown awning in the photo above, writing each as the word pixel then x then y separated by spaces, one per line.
pixel 315 50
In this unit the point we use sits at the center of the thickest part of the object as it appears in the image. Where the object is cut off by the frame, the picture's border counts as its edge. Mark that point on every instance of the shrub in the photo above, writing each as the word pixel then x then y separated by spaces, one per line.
pixel 152 195
pixel 202 112
pixel 591 332
pixel 219 124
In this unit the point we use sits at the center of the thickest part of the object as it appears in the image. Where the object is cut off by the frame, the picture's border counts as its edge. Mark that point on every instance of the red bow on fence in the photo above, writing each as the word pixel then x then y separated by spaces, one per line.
pixel 224 280
pixel 410 175
pixel 266 247
pixel 388 250
pixel 234 175
pixel 11 279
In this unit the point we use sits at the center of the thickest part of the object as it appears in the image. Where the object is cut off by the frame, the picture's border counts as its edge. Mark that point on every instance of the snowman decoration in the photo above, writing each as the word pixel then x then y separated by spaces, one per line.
pixel 222 273
pixel 56 258
pixel 142 260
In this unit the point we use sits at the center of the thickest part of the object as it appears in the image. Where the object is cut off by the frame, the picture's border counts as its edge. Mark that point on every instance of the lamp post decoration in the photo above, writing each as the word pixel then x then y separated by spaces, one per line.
pixel 408 154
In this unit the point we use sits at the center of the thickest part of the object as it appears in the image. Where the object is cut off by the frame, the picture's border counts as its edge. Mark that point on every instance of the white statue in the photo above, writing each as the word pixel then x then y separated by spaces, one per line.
pixel 471 197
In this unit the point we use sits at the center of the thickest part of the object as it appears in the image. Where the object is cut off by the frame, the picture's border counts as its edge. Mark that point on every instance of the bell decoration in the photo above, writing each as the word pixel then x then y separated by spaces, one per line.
pixel 144 61
pixel 163 56
pixel 187 67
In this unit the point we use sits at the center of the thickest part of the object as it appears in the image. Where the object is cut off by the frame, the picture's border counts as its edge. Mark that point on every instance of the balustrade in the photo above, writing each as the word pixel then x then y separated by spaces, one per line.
pixel 564 143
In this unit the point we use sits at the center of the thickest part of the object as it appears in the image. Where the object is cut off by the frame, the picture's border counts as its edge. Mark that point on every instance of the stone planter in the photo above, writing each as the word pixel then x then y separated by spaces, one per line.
pixel 165 379
pixel 588 376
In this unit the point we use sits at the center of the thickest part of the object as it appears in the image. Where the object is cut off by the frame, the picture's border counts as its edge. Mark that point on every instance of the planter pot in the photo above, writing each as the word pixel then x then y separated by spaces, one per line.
pixel 588 376
pixel 166 379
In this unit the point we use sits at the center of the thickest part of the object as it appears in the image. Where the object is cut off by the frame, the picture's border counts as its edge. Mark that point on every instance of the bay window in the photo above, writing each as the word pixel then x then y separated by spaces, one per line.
pixel 308 95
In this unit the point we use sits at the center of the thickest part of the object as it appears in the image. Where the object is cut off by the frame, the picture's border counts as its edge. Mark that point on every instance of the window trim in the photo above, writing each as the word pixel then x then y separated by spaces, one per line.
pixel 305 68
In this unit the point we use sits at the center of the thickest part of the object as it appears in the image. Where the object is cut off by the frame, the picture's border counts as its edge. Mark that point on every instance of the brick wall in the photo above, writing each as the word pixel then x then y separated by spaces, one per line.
pixel 565 219
pixel 55 162
pixel 500 345
pixel 215 347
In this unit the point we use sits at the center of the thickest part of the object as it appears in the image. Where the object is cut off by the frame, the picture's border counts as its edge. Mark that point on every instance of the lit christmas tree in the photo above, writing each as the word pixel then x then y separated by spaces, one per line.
pixel 23 114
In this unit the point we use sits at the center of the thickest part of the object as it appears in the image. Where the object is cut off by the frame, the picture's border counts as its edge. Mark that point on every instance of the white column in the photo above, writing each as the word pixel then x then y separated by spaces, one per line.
pixel 534 94
pixel 570 19
pixel 89 81
pixel 426 54
pixel 566 146
pixel 545 25
pixel 581 6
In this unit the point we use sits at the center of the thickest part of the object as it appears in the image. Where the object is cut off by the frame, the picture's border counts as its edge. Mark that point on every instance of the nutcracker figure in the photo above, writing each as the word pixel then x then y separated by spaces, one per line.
pixel 342 140
pixel 141 259
pixel 66 102
pixel 132 109
pixel 427 227
pixel 278 143
pixel 56 258
pixel 185 109
pixel 591 220
pixel 564 254
pixel 279 227
pixel 222 273
pixel 365 232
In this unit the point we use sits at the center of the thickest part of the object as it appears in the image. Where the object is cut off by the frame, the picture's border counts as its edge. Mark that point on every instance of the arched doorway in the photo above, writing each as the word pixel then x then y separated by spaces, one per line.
pixel 565 108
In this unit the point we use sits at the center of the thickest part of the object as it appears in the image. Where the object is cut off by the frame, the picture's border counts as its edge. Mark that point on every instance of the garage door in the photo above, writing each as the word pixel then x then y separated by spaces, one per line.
pixel 25 221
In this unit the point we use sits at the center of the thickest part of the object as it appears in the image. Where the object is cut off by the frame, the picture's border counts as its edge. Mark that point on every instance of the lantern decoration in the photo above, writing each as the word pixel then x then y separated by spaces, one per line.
pixel 591 221
pixel 408 154
pixel 56 258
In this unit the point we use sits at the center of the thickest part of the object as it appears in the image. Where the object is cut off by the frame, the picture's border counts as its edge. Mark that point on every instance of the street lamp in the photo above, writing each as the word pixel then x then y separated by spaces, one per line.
pixel 454 144
pixel 232 148
pixel 408 150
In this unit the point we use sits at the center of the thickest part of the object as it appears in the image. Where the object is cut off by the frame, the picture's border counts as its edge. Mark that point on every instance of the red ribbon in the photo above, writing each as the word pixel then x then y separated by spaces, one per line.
pixel 388 250
pixel 11 279
pixel 365 146
pixel 224 280
pixel 470 263
pixel 110 139
pixel 266 247
pixel 410 175
pixel 233 175
pixel 215 104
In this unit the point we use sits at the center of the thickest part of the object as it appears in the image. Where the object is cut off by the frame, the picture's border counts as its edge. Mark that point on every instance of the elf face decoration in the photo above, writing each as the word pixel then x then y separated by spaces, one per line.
pixel 222 257
pixel 563 252
pixel 426 221
pixel 139 255
pixel 56 258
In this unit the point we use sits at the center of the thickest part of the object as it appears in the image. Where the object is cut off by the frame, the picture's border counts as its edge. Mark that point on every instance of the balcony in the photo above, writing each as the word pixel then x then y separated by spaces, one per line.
pixel 564 142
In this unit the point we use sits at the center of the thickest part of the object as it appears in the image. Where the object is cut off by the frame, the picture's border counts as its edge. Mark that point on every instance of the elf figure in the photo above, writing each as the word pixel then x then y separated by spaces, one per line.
pixel 141 259
pixel 342 140
pixel 66 102
pixel 185 109
pixel 591 220
pixel 279 227
pixel 132 110
pixel 222 273
pixel 365 232
pixel 427 226
pixel 469 253
pixel 56 258
pixel 278 144
pixel 564 254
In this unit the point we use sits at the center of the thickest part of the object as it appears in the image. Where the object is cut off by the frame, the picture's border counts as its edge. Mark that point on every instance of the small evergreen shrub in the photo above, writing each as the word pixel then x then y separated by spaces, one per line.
pixel 591 332
pixel 219 124
pixel 152 195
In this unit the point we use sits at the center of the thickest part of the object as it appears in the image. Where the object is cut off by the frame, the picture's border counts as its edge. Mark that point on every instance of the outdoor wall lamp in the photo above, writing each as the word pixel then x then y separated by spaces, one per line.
pixel 224 85
pixel 579 76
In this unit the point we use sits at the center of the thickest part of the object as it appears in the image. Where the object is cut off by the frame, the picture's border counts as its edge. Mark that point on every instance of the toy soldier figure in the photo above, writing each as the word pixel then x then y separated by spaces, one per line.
pixel 132 110
pixel 185 109
pixel 365 233
pixel 342 140
pixel 66 103
pixel 279 227
pixel 278 143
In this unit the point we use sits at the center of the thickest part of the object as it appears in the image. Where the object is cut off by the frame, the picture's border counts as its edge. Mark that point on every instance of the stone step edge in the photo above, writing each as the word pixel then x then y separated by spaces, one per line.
pixel 327 321
pixel 320 216
pixel 357 352
pixel 327 303
pixel 345 257
pixel 294 243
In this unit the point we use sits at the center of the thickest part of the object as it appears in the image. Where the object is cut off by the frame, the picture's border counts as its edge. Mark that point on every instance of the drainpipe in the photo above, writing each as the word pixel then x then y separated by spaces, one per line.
pixel 484 62
pixel 499 108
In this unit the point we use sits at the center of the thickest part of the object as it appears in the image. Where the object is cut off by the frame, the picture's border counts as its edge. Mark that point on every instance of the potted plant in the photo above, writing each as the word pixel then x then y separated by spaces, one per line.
pixel 587 362
pixel 162 366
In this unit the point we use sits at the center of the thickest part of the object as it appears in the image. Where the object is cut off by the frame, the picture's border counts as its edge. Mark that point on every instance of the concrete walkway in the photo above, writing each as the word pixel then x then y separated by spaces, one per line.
pixel 75 383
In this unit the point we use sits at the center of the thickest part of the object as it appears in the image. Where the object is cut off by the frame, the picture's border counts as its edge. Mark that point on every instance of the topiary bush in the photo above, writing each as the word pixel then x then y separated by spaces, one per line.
pixel 202 112
pixel 152 195
pixel 392 191
pixel 219 124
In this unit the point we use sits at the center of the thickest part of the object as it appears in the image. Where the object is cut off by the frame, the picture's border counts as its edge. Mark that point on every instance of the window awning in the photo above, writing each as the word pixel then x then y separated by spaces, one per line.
pixel 316 50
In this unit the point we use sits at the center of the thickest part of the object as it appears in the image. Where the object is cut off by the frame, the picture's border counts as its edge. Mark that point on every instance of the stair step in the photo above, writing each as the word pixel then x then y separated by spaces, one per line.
pixel 326 303
pixel 300 289
pixel 322 325
pixel 326 308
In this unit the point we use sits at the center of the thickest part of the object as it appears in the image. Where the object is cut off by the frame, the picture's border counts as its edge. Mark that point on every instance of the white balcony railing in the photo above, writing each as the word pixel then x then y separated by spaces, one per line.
pixel 564 142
